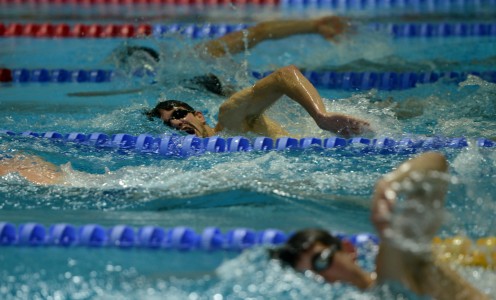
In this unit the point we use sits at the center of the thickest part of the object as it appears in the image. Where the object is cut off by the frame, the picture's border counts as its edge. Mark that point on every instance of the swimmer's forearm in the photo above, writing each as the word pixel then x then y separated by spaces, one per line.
pixel 236 42
pixel 441 282
pixel 423 275
pixel 282 29
pixel 33 168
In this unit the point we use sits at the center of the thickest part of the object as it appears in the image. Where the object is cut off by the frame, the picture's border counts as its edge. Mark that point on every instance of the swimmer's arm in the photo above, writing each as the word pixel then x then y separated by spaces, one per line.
pixel 235 42
pixel 245 107
pixel 441 282
pixel 33 168
pixel 424 275
pixel 420 272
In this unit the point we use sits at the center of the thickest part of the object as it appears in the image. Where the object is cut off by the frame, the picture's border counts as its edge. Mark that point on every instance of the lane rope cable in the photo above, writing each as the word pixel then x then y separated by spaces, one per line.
pixel 338 5
pixel 202 31
pixel 191 145
pixel 353 81
pixel 462 250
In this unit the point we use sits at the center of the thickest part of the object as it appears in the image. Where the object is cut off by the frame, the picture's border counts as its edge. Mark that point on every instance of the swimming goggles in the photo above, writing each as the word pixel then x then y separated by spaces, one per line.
pixel 177 114
pixel 323 259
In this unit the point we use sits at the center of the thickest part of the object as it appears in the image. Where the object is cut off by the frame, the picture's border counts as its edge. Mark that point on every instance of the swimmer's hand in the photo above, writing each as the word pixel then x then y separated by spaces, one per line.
pixel 331 26
pixel 422 181
pixel 344 125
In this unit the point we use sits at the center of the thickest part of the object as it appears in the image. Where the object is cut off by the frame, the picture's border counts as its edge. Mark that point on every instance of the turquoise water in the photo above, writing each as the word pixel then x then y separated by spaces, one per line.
pixel 284 190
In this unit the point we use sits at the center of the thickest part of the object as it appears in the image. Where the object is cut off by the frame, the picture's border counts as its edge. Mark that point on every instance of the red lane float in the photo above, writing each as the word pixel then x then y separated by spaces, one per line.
pixel 141 2
pixel 14 29
pixel 46 30
pixel 5 75
pixel 61 30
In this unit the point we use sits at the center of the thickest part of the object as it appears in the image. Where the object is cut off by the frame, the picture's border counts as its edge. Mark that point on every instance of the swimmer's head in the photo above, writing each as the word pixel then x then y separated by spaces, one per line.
pixel 318 251
pixel 181 116
pixel 135 57
pixel 142 58
pixel 302 241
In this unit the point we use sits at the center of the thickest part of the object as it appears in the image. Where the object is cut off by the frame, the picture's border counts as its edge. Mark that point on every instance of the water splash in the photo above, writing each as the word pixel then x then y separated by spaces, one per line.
pixel 419 211
pixel 473 210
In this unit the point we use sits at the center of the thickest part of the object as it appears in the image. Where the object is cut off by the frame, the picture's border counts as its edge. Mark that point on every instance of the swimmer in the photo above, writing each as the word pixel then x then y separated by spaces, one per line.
pixel 245 110
pixel 329 27
pixel 405 260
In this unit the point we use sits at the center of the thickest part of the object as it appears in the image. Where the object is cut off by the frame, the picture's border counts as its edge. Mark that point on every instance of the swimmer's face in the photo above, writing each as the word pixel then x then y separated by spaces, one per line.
pixel 191 122
pixel 327 261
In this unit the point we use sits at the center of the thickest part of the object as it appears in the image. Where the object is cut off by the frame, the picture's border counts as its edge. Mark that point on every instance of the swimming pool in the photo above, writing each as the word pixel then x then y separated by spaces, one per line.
pixel 286 190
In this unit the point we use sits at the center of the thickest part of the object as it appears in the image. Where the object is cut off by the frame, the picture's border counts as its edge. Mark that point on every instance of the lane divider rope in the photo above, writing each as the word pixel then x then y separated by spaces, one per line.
pixel 479 252
pixel 155 237
pixel 191 145
pixel 202 31
pixel 322 79
pixel 339 5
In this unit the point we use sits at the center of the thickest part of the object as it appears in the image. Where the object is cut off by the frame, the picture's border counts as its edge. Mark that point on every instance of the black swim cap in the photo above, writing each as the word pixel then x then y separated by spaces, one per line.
pixel 130 50
pixel 166 105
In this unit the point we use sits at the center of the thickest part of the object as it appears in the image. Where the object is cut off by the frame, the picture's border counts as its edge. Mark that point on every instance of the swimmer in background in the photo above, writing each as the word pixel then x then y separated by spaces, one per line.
pixel 245 110
pixel 404 254
pixel 329 27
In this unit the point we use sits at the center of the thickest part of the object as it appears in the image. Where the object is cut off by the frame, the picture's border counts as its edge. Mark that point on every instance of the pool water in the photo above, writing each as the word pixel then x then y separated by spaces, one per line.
pixel 287 190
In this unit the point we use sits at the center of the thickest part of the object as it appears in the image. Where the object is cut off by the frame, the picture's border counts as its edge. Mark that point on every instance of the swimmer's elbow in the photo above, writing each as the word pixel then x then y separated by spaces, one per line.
pixel 437 161
pixel 290 69
pixel 229 115
pixel 224 109
pixel 287 74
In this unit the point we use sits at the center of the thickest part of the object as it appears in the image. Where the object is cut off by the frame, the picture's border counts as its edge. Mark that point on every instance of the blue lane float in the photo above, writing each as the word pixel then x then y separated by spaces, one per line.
pixel 191 145
pixel 321 79
pixel 197 31
pixel 61 75
pixel 425 6
pixel 180 238
pixel 397 30
pixel 428 30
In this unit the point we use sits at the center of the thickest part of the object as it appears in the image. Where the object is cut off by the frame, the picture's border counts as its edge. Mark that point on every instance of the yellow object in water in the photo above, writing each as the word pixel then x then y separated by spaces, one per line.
pixel 464 251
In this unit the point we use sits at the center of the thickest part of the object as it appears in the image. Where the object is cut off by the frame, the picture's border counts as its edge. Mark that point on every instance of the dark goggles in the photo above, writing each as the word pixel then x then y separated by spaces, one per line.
pixel 177 114
pixel 323 259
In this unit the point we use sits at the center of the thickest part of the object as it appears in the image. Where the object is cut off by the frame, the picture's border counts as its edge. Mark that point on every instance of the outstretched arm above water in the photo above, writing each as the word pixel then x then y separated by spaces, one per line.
pixel 418 270
pixel 244 111
pixel 33 168
pixel 235 42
